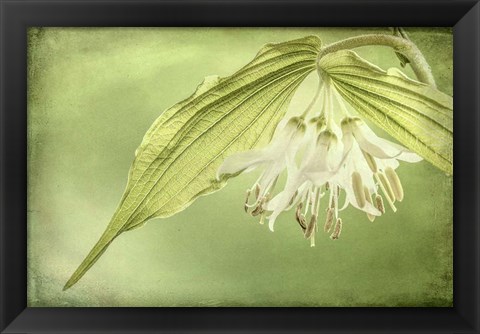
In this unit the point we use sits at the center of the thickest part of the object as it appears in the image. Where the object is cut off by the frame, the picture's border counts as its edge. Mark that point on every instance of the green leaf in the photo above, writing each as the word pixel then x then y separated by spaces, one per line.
pixel 417 115
pixel 181 152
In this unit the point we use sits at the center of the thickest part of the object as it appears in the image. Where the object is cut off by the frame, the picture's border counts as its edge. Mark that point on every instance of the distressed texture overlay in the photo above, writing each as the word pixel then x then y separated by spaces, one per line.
pixel 93 93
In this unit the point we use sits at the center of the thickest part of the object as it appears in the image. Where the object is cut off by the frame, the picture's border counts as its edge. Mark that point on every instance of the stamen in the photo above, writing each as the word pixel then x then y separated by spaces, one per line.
pixel 328 221
pixel 370 161
pixel 300 218
pixel 395 183
pixel 293 198
pixel 383 183
pixel 307 200
pixel 358 189
pixel 379 202
pixel 245 206
pixel 386 185
pixel 311 226
pixel 316 201
pixel 257 191
pixel 259 209
pixel 262 218
pixel 337 230
pixel 368 197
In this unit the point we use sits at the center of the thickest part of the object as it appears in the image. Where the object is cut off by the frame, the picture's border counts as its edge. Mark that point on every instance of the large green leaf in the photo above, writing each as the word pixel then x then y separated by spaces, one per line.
pixel 417 115
pixel 181 152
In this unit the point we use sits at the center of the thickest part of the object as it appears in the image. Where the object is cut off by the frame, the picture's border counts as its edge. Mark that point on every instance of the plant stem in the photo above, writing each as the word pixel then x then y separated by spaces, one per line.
pixel 405 47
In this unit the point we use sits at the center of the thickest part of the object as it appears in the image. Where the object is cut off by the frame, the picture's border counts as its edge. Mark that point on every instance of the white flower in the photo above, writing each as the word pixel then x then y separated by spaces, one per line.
pixel 334 157
pixel 371 160
pixel 315 170
pixel 274 158
pixel 305 186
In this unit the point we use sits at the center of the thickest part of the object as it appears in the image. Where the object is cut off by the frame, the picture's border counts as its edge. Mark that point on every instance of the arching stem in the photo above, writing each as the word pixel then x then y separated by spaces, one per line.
pixel 405 47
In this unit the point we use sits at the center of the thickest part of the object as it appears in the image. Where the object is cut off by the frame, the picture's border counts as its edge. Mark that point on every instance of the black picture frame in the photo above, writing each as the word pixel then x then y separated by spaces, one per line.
pixel 18 15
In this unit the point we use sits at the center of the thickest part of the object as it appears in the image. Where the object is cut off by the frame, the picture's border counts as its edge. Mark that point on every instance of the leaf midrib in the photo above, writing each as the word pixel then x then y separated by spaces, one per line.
pixel 412 111
pixel 231 143
pixel 139 203
pixel 348 95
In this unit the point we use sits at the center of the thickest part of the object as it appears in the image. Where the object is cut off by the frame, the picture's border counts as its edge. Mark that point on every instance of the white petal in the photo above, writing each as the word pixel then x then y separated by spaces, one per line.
pixel 347 140
pixel 287 139
pixel 368 208
pixel 406 154
pixel 327 156
pixel 374 145
pixel 241 161
pixel 309 142
pixel 409 157
pixel 282 200
pixel 355 161
pixel 272 171
pixel 393 163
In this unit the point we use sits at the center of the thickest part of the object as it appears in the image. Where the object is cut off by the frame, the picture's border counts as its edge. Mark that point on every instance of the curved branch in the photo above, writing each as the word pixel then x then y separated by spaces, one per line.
pixel 407 48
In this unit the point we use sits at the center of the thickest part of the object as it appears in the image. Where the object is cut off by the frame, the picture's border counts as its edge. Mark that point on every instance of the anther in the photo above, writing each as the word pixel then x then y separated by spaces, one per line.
pixel 337 230
pixel 368 197
pixel 300 218
pixel 293 198
pixel 379 203
pixel 311 226
pixel 332 204
pixel 329 220
pixel 245 206
pixel 358 189
pixel 259 209
pixel 395 183
pixel 257 191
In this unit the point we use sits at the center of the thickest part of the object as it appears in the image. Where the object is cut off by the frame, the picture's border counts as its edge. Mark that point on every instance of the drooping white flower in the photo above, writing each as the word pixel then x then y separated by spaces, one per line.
pixel 371 159
pixel 338 154
pixel 306 185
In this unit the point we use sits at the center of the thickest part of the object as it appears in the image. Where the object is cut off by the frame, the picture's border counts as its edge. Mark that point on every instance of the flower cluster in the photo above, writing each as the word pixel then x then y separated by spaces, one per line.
pixel 327 153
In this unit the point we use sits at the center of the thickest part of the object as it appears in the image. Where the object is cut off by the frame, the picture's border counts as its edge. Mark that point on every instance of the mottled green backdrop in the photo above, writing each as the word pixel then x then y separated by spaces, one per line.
pixel 93 93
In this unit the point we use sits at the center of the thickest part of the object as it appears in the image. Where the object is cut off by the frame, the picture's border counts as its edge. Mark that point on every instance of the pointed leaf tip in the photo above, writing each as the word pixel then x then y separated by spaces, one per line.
pixel 180 154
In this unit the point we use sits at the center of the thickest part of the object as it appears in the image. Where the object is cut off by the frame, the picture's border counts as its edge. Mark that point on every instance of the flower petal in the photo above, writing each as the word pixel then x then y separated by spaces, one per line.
pixel 282 200
pixel 368 208
pixel 374 145
pixel 241 161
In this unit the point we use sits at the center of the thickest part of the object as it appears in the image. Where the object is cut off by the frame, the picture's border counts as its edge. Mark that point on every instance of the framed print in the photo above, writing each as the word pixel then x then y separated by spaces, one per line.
pixel 177 167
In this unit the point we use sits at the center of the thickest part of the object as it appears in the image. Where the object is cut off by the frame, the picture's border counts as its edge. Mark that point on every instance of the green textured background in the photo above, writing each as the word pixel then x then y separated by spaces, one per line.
pixel 93 93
